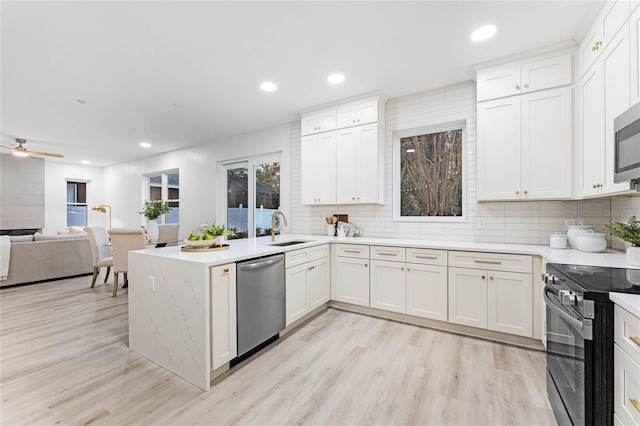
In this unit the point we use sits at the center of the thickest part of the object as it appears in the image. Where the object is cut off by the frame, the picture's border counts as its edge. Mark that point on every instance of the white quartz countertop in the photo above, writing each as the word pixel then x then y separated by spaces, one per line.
pixel 257 247
pixel 630 302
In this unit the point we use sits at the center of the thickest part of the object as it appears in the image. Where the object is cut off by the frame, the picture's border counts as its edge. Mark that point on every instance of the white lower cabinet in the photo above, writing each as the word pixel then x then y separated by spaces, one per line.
pixel 626 367
pixel 352 280
pixel 497 299
pixel 307 286
pixel 388 288
pixel 418 289
pixel 223 315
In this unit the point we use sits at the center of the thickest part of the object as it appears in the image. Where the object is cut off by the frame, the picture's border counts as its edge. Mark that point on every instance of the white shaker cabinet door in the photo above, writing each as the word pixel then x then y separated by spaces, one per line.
pixel 296 295
pixel 368 179
pixel 347 165
pixel 592 131
pixel 510 303
pixel 499 150
pixel 634 28
pixel 318 169
pixel 318 283
pixel 499 83
pixel 352 280
pixel 546 144
pixel 223 314
pixel 388 286
pixel 427 291
pixel 468 297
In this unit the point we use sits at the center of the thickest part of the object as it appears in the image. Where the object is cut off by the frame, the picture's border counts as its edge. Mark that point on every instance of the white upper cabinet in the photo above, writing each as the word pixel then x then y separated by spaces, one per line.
pixel 511 80
pixel 524 146
pixel 606 93
pixel 360 165
pixel 611 17
pixel 318 161
pixel 318 121
pixel 356 113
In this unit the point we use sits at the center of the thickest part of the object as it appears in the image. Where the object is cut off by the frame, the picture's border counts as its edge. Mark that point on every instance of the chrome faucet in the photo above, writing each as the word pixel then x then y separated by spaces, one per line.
pixel 273 223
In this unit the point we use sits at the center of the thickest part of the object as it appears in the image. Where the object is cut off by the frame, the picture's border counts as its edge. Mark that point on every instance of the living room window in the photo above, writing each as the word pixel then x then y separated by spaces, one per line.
pixel 429 173
pixel 76 203
pixel 165 186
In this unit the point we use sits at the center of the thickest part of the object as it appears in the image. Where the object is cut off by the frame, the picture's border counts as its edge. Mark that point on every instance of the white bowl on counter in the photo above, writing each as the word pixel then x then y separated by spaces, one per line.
pixel 573 232
pixel 592 242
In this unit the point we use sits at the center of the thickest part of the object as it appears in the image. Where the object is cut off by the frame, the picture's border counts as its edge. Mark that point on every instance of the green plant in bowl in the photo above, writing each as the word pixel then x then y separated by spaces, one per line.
pixel 629 232
pixel 217 230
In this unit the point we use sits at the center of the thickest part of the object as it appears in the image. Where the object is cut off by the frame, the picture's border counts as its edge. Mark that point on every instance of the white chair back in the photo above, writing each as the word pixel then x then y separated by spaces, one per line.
pixel 99 240
pixel 124 240
pixel 168 233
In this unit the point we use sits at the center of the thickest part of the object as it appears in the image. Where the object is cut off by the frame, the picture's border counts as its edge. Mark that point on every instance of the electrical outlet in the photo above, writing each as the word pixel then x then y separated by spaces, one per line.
pixel 481 223
pixel 568 223
pixel 381 221
pixel 152 284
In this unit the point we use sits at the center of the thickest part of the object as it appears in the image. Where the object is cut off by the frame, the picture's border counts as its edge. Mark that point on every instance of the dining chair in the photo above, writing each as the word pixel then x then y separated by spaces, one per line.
pixel 124 240
pixel 100 251
pixel 168 234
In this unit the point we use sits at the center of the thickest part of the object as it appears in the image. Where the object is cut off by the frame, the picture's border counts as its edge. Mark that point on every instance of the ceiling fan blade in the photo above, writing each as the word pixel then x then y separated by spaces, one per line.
pixel 7 147
pixel 47 154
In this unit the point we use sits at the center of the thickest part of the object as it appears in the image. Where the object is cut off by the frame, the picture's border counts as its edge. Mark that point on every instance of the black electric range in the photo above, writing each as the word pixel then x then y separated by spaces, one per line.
pixel 579 336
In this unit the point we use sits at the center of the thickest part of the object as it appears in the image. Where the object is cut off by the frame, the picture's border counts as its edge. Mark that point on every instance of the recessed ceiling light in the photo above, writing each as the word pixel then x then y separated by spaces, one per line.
pixel 145 144
pixel 267 86
pixel 483 32
pixel 85 162
pixel 336 78
pixel 81 101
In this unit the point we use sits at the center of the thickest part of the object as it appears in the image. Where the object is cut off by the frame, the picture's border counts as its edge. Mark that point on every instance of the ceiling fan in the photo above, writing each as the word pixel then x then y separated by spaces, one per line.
pixel 21 151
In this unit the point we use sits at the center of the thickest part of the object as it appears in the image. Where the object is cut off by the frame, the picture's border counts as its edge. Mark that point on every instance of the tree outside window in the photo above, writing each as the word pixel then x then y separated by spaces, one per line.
pixel 431 173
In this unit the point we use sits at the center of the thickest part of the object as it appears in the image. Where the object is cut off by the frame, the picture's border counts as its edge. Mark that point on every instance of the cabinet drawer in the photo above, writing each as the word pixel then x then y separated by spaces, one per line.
pixel 352 250
pixel 427 257
pixel 626 387
pixel 627 333
pixel 298 257
pixel 493 261
pixel 394 254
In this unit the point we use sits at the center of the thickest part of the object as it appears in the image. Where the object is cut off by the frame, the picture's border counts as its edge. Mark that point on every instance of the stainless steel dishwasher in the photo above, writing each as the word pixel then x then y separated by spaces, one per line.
pixel 260 301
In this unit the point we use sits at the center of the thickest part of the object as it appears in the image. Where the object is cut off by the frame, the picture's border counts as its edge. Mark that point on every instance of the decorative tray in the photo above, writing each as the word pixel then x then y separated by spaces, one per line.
pixel 207 248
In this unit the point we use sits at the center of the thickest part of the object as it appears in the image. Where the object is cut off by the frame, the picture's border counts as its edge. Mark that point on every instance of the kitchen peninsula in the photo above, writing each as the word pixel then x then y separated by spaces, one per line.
pixel 182 304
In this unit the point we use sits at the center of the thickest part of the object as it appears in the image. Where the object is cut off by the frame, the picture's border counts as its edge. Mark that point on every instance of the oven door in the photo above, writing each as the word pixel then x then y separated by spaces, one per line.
pixel 566 332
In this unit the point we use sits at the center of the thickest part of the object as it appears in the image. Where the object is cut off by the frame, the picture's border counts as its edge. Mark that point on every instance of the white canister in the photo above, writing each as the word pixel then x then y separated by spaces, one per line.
pixel 593 242
pixel 558 241
pixel 331 230
pixel 573 232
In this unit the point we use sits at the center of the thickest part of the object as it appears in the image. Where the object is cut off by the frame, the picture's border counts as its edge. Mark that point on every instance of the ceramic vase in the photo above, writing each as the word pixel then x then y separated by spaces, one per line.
pixel 218 240
pixel 633 256
pixel 152 229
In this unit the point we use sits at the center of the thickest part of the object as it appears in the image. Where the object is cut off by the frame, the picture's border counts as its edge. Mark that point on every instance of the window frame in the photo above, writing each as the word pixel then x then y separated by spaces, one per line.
pixel 85 204
pixel 396 193
pixel 164 190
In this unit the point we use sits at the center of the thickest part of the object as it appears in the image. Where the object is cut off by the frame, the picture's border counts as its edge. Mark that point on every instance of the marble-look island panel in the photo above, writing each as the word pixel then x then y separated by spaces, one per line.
pixel 169 320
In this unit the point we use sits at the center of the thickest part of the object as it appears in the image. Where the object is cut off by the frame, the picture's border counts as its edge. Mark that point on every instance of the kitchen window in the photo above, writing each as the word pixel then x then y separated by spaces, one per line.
pixel 429 174
pixel 76 203
pixel 165 186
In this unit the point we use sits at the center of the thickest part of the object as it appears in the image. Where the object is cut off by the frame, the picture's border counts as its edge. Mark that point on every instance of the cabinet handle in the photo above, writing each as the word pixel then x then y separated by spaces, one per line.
pixel 491 262
pixel 526 85
pixel 517 192
pixel 596 46
pixel 401 268
pixel 635 403
pixel 491 277
pixel 409 269
pixel 526 192
pixel 482 277
pixel 226 270
pixel 353 198
pixel 365 265
pixel 351 251
pixel 387 253
pixel 353 120
pixel 310 268
pixel 635 340
pixel 517 87
pixel 422 256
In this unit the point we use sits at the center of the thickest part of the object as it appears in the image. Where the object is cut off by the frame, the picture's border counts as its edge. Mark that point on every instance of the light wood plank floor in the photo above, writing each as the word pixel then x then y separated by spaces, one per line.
pixel 65 360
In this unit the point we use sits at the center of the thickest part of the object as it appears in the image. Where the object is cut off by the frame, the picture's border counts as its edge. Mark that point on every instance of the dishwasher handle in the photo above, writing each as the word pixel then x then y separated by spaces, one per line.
pixel 259 264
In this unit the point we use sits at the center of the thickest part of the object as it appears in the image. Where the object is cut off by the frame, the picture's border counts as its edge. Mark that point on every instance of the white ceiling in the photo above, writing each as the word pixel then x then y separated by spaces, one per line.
pixel 180 73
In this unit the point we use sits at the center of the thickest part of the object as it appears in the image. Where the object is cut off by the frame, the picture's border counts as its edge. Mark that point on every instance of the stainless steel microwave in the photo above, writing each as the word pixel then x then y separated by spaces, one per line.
pixel 627 145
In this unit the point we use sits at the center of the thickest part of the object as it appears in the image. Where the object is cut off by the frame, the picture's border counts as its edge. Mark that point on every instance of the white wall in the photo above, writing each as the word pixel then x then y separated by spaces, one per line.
pixel 506 222
pixel 56 175
pixel 200 177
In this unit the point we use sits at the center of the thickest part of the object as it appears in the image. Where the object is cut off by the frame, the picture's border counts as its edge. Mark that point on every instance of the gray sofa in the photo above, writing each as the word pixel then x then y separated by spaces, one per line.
pixel 48 257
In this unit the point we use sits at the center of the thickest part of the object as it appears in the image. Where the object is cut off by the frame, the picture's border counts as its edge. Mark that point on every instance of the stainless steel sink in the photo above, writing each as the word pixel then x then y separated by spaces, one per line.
pixel 289 243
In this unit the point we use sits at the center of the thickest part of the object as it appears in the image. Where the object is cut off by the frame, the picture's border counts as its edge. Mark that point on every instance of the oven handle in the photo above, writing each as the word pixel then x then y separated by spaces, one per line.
pixel 584 327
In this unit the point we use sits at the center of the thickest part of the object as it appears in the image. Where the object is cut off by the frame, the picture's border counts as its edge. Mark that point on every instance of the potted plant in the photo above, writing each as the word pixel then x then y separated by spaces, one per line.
pixel 629 232
pixel 217 231
pixel 152 210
